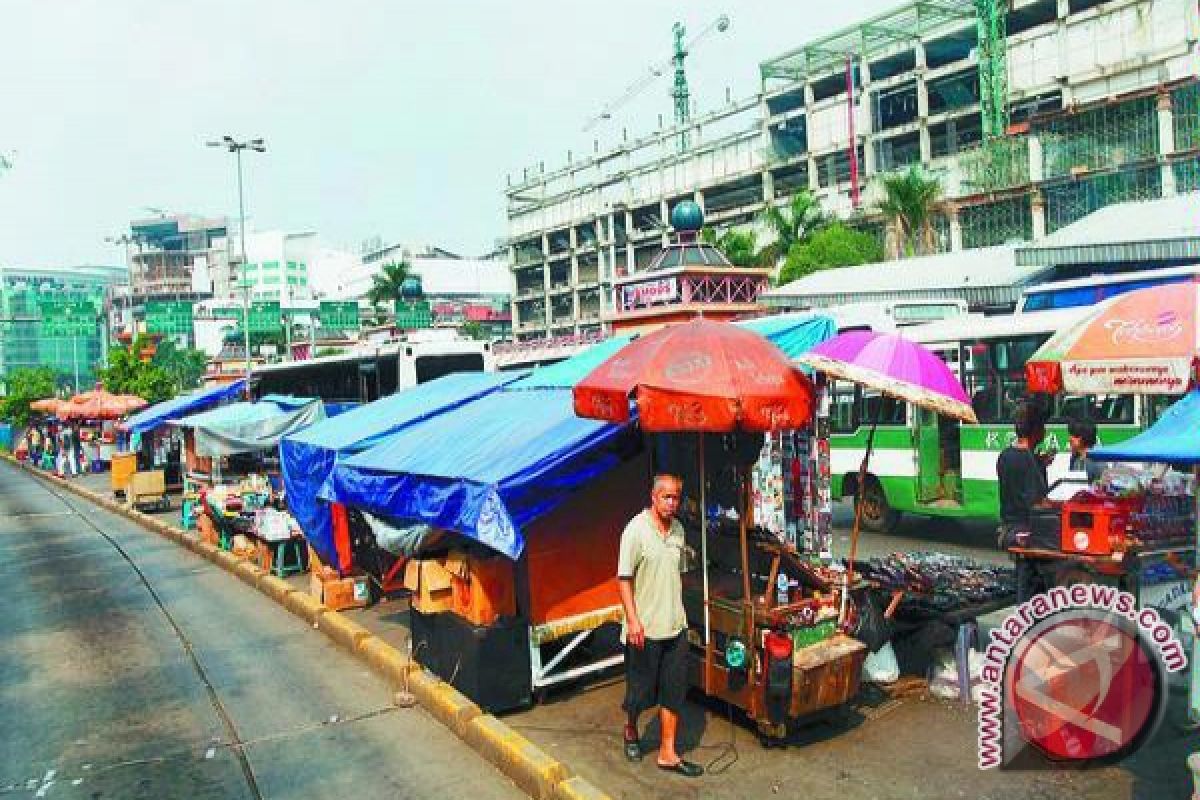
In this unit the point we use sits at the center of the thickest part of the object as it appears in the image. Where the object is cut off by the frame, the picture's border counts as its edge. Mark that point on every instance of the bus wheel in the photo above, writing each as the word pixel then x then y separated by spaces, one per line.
pixel 877 514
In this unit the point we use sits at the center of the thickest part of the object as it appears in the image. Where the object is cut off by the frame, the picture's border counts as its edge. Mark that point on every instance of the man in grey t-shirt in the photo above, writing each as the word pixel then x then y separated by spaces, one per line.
pixel 656 647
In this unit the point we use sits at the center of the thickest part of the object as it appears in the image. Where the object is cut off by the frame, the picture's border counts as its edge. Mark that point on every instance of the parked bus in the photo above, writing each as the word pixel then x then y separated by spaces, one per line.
pixel 1094 289
pixel 888 316
pixel 927 464
pixel 373 371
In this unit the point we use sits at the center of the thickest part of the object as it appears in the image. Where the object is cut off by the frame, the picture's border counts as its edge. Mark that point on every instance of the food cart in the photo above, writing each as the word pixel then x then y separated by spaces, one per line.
pixel 762 622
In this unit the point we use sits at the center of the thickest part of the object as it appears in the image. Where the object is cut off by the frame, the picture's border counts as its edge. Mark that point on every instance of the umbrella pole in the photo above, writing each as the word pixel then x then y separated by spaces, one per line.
pixel 708 647
pixel 747 600
pixel 1194 689
pixel 854 532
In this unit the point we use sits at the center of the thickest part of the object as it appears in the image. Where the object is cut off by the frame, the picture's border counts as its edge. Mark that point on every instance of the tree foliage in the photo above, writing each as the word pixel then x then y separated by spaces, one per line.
pixel 792 224
pixel 184 365
pixel 387 284
pixel 910 200
pixel 473 330
pixel 739 246
pixel 24 386
pixel 833 246
pixel 126 373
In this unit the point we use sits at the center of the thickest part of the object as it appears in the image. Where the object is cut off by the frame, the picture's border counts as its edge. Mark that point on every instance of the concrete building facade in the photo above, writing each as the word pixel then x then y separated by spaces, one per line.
pixel 1101 105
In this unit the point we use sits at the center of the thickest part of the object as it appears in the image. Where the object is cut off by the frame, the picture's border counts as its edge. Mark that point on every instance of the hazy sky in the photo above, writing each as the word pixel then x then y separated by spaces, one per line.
pixel 381 118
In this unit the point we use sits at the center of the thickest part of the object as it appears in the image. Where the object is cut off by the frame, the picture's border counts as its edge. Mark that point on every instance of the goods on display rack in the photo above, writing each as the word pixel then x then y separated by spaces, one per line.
pixel 934 584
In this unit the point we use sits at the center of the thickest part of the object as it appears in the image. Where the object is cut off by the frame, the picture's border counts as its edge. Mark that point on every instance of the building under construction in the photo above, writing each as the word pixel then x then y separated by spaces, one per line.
pixel 1032 113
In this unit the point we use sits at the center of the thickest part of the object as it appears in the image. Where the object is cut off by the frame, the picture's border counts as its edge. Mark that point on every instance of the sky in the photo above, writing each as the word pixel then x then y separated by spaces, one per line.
pixel 381 118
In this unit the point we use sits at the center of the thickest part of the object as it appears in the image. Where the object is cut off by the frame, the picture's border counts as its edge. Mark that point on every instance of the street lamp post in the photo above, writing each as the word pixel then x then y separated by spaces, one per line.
pixel 236 147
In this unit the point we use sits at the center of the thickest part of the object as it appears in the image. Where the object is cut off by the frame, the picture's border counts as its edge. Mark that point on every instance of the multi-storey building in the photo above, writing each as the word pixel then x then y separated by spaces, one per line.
pixel 173 257
pixel 54 317
pixel 1032 114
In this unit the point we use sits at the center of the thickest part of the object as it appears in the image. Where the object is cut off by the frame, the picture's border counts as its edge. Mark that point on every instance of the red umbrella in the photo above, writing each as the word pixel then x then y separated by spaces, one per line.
pixel 699 376
pixel 708 377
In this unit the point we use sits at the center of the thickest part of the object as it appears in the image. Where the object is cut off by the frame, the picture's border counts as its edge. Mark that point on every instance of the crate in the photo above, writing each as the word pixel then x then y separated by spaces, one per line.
pixel 123 467
pixel 353 591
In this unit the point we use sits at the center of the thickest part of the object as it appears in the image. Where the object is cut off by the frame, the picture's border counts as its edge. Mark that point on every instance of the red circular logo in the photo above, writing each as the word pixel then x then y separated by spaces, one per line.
pixel 1083 688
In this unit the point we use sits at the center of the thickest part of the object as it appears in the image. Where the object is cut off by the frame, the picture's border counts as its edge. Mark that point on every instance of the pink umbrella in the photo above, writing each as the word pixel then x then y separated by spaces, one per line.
pixel 894 366
pixel 899 368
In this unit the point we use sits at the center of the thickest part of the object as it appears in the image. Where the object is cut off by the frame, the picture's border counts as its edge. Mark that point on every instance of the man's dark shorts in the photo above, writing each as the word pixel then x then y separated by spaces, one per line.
pixel 656 675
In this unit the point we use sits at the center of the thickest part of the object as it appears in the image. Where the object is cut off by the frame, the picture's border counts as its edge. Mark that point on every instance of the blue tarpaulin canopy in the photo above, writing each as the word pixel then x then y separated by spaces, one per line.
pixel 565 374
pixel 485 470
pixel 1174 439
pixel 161 413
pixel 794 334
pixel 249 427
pixel 308 457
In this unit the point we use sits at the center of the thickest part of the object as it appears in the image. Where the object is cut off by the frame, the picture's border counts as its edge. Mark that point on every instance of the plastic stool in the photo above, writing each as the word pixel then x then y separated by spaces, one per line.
pixel 280 564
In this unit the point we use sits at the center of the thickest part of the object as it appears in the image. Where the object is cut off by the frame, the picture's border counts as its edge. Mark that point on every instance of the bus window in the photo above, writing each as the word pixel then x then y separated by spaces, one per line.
pixel 994 375
pixel 1113 409
pixel 843 407
pixel 882 409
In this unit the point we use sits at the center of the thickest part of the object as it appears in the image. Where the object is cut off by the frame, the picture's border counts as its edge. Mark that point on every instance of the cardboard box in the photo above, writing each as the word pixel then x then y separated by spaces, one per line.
pixel 435 589
pixel 353 591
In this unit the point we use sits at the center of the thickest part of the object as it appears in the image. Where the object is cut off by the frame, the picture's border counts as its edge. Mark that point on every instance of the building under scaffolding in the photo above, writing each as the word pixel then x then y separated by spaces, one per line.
pixel 1032 113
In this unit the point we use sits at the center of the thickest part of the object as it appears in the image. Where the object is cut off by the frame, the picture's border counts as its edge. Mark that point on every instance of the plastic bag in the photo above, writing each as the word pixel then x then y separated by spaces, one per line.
pixel 882 666
pixel 873 629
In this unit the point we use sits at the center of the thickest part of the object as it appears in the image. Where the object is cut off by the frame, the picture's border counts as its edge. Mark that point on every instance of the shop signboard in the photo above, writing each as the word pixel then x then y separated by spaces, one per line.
pixel 649 293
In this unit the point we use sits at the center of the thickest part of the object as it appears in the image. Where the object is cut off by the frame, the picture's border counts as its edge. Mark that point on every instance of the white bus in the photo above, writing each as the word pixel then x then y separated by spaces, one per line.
pixel 372 371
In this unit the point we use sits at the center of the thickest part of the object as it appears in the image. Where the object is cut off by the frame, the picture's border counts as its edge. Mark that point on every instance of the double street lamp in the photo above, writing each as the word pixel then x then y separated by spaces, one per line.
pixel 236 147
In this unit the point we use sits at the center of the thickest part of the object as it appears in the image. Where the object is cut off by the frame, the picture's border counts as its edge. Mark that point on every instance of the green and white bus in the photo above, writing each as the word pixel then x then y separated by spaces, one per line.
pixel 929 465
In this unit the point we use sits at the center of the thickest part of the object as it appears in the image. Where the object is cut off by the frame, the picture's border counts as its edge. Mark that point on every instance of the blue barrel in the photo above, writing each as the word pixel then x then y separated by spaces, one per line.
pixel 6 437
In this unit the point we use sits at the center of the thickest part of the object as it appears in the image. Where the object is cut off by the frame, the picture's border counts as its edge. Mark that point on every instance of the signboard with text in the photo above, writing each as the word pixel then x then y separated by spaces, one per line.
pixel 649 293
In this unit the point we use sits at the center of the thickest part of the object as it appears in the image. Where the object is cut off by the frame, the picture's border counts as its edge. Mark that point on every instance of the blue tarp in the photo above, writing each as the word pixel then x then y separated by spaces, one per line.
pixel 161 413
pixel 1174 439
pixel 565 374
pixel 794 334
pixel 308 457
pixel 485 470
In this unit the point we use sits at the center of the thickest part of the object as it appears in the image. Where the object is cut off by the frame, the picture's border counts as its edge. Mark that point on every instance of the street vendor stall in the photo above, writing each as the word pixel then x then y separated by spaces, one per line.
pixel 1130 528
pixel 308 457
pixel 239 443
pixel 762 621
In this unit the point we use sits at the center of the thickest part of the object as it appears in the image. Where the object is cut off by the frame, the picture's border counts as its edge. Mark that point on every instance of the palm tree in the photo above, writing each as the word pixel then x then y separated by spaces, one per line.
pixel 386 285
pixel 911 199
pixel 740 247
pixel 792 224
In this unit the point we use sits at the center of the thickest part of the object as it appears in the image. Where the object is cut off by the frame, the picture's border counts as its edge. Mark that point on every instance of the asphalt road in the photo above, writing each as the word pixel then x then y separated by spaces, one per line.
pixel 156 675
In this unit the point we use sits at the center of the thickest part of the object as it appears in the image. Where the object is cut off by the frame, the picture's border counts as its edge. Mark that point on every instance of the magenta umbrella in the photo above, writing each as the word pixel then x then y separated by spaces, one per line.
pixel 899 368
pixel 894 366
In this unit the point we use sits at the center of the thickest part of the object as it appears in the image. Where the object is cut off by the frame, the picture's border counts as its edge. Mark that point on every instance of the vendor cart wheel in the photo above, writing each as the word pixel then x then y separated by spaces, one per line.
pixel 877 514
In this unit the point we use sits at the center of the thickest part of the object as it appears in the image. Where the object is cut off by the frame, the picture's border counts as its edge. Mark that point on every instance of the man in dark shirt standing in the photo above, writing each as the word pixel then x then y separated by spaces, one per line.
pixel 1021 474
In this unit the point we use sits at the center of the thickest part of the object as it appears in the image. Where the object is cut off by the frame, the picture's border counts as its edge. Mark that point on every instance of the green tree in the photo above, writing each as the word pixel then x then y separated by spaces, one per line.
pixel 473 330
pixel 126 373
pixel 831 247
pixel 185 365
pixel 740 247
pixel 792 224
pixel 387 284
pixel 24 386
pixel 910 200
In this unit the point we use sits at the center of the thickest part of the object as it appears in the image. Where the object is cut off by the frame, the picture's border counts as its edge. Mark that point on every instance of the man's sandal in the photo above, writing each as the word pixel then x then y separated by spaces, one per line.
pixel 685 768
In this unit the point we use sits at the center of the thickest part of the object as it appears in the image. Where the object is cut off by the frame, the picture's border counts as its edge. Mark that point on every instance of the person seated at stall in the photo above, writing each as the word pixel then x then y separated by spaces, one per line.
pixel 1082 435
pixel 1021 474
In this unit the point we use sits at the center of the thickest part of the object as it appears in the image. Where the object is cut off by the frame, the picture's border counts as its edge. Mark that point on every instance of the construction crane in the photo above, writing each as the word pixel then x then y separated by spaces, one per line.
pixel 992 18
pixel 679 90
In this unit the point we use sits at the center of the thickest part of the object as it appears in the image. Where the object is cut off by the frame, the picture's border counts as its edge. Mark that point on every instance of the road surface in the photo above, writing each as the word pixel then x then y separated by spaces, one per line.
pixel 131 668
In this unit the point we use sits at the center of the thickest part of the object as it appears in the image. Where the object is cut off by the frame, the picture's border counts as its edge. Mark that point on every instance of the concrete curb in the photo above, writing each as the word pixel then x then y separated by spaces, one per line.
pixel 517 757
pixel 527 765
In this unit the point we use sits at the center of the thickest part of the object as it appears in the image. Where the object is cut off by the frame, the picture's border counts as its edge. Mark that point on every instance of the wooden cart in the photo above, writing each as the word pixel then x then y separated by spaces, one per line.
pixel 148 489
